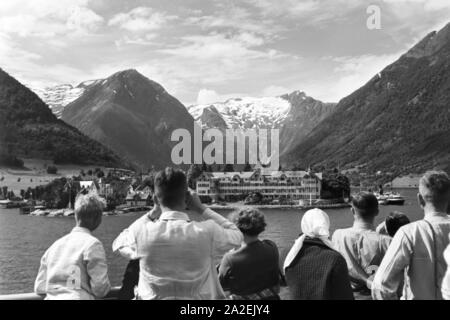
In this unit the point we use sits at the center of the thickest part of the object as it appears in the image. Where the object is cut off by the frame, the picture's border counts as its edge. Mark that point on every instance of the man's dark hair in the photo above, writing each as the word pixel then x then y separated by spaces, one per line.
pixel 434 187
pixel 249 220
pixel 365 204
pixel 170 187
pixel 394 221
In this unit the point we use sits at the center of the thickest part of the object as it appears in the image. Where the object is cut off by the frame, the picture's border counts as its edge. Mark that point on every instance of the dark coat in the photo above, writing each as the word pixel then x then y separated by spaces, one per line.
pixel 318 273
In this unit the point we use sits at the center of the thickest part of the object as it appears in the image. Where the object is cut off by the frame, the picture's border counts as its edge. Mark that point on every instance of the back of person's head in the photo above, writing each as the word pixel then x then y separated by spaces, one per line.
pixel 171 187
pixel 88 210
pixel 250 221
pixel 434 189
pixel 394 221
pixel 365 205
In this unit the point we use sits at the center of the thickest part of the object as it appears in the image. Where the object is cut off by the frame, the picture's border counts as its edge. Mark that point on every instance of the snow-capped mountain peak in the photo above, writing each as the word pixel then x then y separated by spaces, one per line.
pixel 59 96
pixel 246 112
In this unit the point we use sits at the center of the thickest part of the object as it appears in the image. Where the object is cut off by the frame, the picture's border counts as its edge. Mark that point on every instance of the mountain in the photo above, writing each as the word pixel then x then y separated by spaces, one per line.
pixel 29 129
pixel 243 113
pixel 59 96
pixel 132 115
pixel 398 122
pixel 294 114
pixel 303 116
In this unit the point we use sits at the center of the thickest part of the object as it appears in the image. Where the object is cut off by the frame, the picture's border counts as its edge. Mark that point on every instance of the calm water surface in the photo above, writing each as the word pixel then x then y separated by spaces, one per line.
pixel 23 239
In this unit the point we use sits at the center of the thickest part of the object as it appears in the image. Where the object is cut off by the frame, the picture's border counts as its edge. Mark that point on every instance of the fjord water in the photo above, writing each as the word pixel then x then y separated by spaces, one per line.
pixel 23 239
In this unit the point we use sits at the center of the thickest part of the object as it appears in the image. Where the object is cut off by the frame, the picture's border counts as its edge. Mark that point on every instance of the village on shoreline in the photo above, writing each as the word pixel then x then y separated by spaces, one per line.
pixel 51 191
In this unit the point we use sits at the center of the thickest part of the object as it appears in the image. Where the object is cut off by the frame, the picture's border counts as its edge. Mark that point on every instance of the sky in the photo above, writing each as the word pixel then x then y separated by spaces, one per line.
pixel 204 51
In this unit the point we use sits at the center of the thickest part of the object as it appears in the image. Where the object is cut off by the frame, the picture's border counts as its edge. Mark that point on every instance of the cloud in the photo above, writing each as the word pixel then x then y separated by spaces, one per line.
pixel 199 50
pixel 220 47
pixel 47 18
pixel 141 19
pixel 274 91
pixel 84 20
pixel 206 96
pixel 238 19
pixel 353 72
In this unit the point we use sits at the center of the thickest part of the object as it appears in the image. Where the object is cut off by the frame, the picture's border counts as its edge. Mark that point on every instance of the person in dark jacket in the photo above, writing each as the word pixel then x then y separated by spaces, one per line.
pixel 251 272
pixel 313 269
pixel 130 281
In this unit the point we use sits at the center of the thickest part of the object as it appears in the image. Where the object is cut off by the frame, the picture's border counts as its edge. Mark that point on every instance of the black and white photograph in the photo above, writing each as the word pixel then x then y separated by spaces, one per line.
pixel 226 154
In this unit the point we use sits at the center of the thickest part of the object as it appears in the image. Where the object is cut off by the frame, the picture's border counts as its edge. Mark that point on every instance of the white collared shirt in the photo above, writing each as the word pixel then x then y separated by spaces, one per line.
pixel 446 281
pixel 178 257
pixel 412 249
pixel 363 249
pixel 74 268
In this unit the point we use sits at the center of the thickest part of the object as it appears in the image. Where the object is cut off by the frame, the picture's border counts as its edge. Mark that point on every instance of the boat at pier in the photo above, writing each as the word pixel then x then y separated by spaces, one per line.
pixel 56 213
pixel 4 204
pixel 29 209
pixel 395 199
pixel 40 213
pixel 390 198
pixel 382 199
pixel 69 213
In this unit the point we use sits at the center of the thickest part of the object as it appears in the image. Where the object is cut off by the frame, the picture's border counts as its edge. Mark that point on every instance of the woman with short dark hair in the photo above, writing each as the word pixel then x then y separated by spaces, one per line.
pixel 252 271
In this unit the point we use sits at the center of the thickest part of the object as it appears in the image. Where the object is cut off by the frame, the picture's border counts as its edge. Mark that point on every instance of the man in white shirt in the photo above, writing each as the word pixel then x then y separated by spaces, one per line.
pixel 74 267
pixel 446 281
pixel 418 247
pixel 178 256
pixel 362 247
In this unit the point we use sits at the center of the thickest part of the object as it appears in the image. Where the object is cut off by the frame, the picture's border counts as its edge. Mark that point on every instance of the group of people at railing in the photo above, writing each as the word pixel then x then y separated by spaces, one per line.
pixel 183 250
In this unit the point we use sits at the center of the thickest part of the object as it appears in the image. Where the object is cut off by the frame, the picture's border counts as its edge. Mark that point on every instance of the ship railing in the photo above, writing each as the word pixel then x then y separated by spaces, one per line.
pixel 112 295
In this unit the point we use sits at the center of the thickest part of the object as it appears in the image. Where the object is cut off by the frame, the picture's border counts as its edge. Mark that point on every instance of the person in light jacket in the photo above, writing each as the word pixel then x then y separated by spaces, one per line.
pixel 74 267
pixel 177 256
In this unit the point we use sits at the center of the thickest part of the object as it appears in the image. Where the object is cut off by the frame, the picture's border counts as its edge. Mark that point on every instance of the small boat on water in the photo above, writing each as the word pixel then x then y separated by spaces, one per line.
pixel 390 198
pixel 29 209
pixel 395 199
pixel 382 199
pixel 40 213
pixel 16 204
pixel 4 204
pixel 56 213
pixel 69 213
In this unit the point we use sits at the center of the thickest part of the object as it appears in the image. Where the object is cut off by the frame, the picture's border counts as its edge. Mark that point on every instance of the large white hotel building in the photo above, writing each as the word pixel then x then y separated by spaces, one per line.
pixel 290 185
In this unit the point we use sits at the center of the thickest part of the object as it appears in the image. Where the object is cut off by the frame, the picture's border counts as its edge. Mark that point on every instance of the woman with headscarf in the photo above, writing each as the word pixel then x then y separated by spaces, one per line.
pixel 314 270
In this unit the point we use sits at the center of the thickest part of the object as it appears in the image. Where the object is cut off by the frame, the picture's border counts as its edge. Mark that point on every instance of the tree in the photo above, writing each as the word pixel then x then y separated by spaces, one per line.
pixel 52 170
pixel 100 174
pixel 335 186
pixel 29 193
pixel 228 168
pixel 194 172
pixel 5 191
pixel 149 182
pixel 248 167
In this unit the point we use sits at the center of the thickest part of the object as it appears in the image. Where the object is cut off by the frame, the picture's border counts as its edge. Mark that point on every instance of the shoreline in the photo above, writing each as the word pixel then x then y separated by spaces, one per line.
pixel 231 206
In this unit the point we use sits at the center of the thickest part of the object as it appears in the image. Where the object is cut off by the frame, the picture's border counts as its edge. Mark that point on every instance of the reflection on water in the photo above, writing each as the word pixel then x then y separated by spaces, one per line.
pixel 23 239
